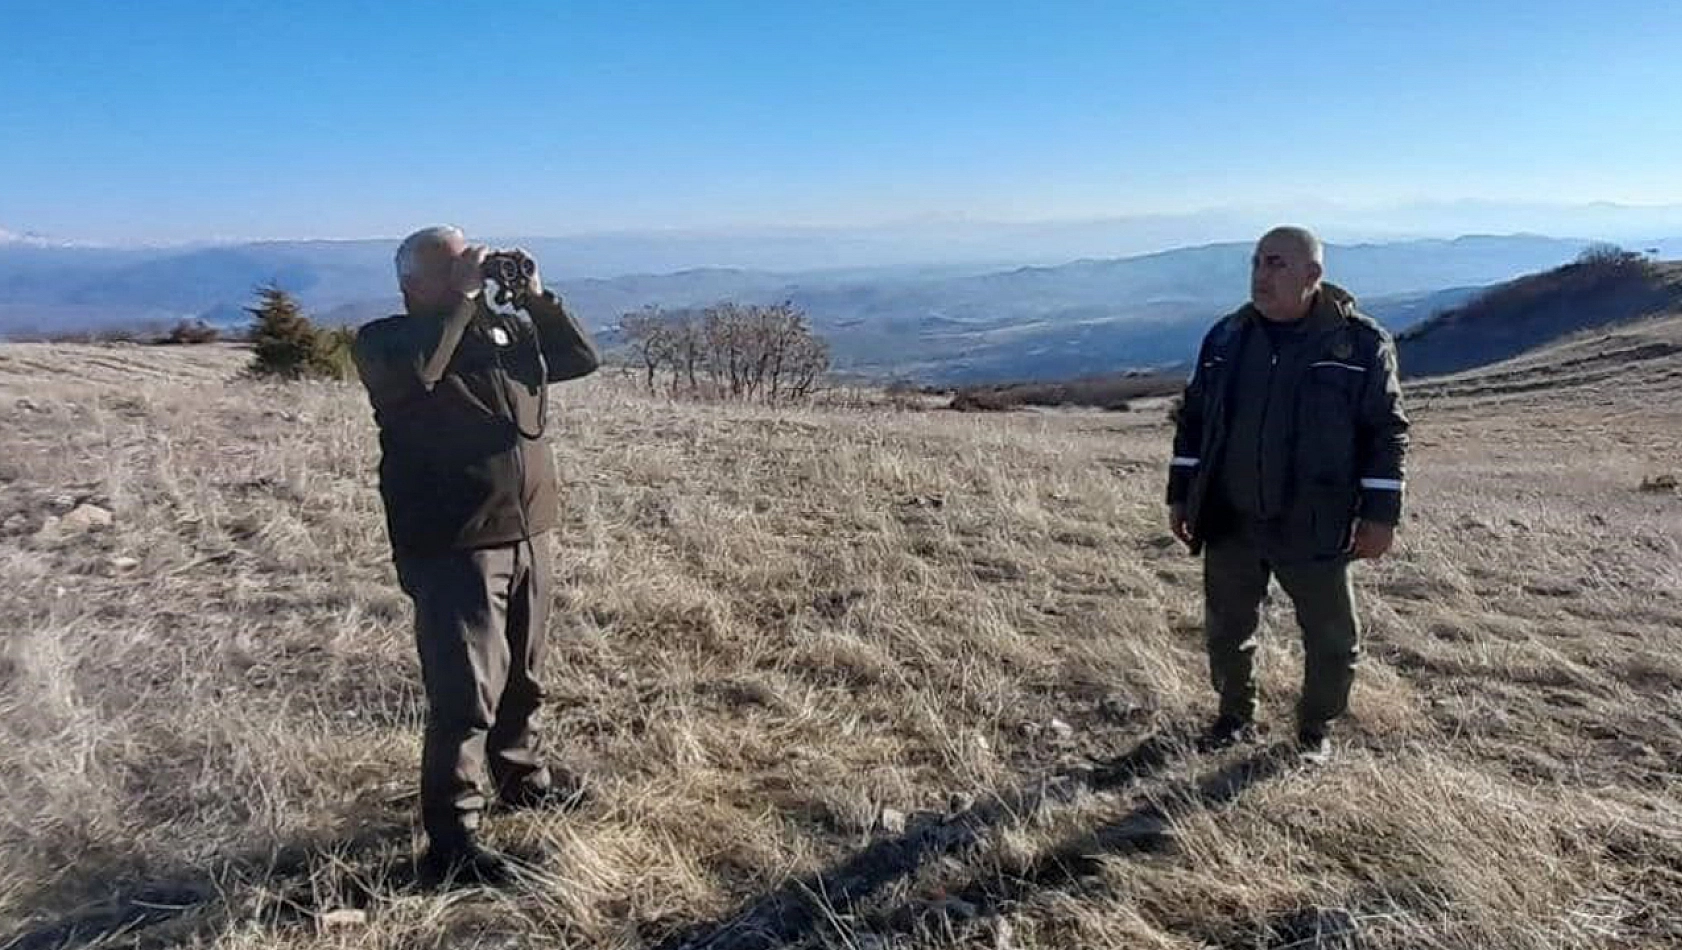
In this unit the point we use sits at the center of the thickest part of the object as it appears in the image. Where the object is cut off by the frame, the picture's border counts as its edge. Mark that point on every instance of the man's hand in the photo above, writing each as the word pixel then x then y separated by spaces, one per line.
pixel 1177 523
pixel 467 271
pixel 1371 540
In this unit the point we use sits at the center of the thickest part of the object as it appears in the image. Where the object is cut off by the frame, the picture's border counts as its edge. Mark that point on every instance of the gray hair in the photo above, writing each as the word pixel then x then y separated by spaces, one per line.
pixel 408 253
pixel 1303 238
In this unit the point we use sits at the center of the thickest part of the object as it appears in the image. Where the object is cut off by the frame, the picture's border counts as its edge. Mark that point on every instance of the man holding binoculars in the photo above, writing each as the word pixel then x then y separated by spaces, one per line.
pixel 459 392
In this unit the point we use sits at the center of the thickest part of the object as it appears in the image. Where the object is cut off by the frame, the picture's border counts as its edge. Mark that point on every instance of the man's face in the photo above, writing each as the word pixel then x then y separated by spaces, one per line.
pixel 430 286
pixel 1283 276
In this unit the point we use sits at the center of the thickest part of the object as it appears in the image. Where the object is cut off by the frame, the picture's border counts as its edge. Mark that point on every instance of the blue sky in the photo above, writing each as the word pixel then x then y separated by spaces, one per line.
pixel 172 120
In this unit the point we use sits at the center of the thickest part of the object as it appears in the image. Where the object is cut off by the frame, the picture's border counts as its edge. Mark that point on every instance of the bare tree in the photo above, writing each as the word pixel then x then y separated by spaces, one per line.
pixel 751 353
pixel 649 338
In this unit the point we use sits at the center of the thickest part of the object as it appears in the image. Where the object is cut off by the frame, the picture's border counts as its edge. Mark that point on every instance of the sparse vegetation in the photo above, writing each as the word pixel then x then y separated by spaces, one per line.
pixel 1665 482
pixel 1114 393
pixel 743 353
pixel 101 335
pixel 856 678
pixel 1611 257
pixel 191 333
pixel 286 345
pixel 334 352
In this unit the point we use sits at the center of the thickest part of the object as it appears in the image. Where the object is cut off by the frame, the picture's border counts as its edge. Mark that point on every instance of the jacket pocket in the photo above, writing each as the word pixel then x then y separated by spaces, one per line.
pixel 1333 387
pixel 1331 516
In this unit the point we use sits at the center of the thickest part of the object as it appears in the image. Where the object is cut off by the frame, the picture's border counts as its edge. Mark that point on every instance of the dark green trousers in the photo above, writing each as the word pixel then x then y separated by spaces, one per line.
pixel 1236 573
pixel 480 616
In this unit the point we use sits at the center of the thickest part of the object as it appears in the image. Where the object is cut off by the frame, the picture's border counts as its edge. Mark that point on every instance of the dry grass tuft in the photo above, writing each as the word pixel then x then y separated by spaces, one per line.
pixel 864 678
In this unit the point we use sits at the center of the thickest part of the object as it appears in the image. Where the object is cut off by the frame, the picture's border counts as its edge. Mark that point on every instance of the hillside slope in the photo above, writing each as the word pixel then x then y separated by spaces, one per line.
pixel 843 679
pixel 1534 311
pixel 1635 359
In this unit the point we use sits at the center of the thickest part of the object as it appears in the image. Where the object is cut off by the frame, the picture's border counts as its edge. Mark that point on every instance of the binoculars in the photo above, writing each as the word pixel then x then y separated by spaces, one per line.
pixel 509 269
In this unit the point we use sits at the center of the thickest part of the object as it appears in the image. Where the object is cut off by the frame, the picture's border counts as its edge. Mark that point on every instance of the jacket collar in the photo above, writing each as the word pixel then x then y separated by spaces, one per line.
pixel 1331 308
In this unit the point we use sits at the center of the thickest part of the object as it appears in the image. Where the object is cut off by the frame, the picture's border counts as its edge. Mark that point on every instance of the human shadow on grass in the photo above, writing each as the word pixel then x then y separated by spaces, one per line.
pixel 1148 828
pixel 290 884
pixel 796 909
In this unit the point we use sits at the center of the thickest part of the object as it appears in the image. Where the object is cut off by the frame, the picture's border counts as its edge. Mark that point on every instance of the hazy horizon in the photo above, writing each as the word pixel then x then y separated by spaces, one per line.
pixel 1424 220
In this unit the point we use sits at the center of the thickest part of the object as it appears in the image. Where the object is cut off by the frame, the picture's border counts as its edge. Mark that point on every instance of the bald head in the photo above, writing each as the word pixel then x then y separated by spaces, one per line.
pixel 1299 240
pixel 424 261
pixel 1285 273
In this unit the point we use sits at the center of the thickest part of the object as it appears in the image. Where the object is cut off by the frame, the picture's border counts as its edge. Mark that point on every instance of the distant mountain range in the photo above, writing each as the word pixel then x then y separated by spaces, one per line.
pixel 945 240
pixel 936 323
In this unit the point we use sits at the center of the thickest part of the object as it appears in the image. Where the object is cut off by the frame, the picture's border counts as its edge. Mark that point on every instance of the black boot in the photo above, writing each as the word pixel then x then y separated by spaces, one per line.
pixel 1227 730
pixel 1314 743
pixel 562 792
pixel 463 863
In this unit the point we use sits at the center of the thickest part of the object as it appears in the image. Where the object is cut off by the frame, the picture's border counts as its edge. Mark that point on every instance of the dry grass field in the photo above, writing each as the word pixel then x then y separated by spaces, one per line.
pixel 846 677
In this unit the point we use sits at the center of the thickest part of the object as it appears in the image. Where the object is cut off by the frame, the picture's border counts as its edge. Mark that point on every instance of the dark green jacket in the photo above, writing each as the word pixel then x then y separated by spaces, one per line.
pixel 1342 453
pixel 461 400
